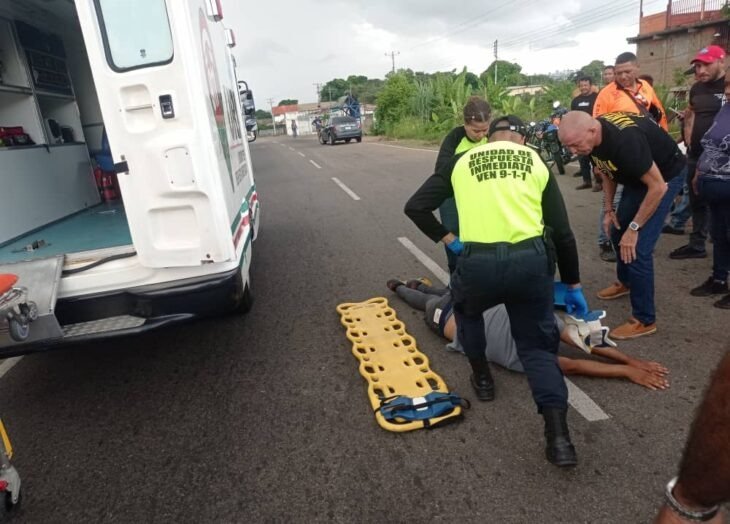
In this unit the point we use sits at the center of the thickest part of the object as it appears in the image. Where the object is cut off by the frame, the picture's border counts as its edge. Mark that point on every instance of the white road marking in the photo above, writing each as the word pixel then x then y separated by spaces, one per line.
pixel 424 259
pixel 583 404
pixel 8 364
pixel 405 147
pixel 282 145
pixel 301 154
pixel 315 164
pixel 345 188
pixel 291 148
pixel 577 398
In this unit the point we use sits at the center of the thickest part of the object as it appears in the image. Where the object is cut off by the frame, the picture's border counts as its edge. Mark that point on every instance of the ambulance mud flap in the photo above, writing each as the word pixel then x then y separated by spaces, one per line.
pixel 404 392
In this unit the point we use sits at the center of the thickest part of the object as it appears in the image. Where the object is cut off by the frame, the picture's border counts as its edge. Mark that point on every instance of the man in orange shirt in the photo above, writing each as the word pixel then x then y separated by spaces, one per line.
pixel 628 94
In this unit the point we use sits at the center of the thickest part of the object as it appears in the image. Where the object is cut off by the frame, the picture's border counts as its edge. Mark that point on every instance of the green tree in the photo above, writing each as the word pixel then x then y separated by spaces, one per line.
pixel 508 73
pixel 594 70
pixel 394 101
pixel 261 114
pixel 288 102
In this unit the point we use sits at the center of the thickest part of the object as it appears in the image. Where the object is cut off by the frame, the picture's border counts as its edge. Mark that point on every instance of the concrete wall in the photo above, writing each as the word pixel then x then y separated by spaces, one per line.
pixel 660 58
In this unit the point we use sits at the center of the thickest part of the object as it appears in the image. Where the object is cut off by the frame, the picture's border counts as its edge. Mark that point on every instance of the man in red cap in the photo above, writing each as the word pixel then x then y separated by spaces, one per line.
pixel 705 100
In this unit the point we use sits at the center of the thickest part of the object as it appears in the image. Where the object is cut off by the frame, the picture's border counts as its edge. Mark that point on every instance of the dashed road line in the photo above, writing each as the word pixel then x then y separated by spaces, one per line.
pixel 577 398
pixel 291 148
pixel 301 154
pixel 315 164
pixel 8 364
pixel 345 188
pixel 583 404
pixel 424 259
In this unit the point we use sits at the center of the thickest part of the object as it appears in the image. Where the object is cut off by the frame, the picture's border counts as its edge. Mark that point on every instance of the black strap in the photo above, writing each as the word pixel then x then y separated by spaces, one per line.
pixel 384 403
pixel 641 107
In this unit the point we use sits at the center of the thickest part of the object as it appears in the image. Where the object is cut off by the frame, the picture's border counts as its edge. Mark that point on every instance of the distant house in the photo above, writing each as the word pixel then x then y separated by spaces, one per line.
pixel 525 90
pixel 668 40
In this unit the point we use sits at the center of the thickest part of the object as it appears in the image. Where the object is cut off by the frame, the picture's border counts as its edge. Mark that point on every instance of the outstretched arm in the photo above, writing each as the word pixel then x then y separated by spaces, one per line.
pixel 591 368
pixel 623 358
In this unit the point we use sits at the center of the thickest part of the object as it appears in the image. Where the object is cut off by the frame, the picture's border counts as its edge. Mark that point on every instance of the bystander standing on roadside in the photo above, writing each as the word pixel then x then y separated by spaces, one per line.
pixel 584 102
pixel 626 93
pixel 712 184
pixel 705 100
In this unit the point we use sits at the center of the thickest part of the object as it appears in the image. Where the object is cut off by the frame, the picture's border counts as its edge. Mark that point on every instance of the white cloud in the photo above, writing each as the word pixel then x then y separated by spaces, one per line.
pixel 285 46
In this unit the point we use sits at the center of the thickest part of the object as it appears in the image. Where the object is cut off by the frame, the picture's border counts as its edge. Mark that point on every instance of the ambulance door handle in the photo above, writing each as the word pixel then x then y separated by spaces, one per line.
pixel 166 107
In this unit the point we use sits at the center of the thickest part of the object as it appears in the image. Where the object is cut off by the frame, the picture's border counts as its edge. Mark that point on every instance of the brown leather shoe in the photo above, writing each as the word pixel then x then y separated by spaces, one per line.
pixel 633 329
pixel 615 290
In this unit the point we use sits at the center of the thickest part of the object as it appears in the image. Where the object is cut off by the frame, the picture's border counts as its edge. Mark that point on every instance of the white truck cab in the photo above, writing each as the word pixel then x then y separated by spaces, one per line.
pixel 128 200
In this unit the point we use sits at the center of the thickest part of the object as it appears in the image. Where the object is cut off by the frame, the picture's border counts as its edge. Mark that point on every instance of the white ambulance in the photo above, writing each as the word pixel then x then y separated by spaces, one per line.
pixel 127 198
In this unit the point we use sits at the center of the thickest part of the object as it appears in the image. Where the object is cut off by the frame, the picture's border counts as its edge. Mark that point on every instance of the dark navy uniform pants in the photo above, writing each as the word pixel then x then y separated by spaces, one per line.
pixel 520 276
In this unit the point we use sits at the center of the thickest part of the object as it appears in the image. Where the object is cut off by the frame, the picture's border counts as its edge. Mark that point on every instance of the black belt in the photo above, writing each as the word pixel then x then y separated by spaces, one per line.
pixel 536 243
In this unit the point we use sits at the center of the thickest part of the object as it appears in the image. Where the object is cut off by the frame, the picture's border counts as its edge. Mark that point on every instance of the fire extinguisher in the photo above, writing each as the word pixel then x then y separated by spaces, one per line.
pixel 109 186
pixel 106 183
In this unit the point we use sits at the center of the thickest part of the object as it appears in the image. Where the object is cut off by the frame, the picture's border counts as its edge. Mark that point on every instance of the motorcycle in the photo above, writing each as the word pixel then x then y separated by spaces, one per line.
pixel 543 137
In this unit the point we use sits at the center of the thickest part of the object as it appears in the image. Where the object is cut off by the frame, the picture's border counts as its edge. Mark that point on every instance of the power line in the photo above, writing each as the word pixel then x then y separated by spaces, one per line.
pixel 586 19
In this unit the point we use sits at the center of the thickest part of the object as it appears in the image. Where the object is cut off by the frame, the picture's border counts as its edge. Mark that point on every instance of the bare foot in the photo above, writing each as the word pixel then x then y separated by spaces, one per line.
pixel 651 367
pixel 647 379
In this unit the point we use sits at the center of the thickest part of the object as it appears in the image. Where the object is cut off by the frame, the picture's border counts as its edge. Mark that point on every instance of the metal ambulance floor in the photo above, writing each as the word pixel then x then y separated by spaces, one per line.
pixel 99 227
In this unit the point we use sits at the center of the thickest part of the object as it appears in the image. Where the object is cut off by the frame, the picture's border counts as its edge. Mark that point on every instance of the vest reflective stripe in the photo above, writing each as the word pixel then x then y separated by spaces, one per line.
pixel 466 145
pixel 498 190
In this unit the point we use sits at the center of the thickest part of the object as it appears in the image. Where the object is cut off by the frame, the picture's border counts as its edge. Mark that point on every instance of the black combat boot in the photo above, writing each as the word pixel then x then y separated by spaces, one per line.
pixel 481 379
pixel 558 450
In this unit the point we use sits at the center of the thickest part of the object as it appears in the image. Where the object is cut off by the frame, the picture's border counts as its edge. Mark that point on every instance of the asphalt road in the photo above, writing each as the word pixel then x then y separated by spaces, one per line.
pixel 264 418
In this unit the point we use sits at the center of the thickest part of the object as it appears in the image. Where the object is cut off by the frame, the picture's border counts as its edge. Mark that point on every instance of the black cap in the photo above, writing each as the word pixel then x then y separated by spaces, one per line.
pixel 508 123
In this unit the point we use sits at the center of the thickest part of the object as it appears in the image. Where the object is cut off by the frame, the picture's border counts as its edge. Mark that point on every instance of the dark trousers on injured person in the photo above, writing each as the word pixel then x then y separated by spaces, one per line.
pixel 520 276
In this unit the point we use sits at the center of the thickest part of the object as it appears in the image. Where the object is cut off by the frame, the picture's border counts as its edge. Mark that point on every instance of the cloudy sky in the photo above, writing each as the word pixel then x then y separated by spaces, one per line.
pixel 286 46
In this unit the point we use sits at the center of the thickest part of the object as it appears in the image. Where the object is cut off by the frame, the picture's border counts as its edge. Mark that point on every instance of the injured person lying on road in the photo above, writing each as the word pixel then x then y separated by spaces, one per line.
pixel 436 304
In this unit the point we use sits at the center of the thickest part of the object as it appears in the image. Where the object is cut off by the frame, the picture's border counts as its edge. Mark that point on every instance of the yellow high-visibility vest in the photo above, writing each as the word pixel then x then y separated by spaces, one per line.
pixel 466 145
pixel 498 190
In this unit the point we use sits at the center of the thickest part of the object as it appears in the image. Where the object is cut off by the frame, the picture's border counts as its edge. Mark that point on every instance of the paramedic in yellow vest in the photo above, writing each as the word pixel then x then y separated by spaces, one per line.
pixel 459 140
pixel 507 198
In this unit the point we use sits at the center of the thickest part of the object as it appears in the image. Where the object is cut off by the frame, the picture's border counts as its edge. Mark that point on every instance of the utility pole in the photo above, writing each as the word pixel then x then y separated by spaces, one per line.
pixel 318 86
pixel 273 122
pixel 392 56
pixel 496 60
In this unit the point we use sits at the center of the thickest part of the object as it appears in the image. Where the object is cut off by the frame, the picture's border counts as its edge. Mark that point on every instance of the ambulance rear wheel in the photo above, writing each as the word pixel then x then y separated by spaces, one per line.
pixel 243 294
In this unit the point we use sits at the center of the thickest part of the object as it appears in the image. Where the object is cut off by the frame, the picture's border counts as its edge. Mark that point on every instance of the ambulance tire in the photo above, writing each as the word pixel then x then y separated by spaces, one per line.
pixel 245 302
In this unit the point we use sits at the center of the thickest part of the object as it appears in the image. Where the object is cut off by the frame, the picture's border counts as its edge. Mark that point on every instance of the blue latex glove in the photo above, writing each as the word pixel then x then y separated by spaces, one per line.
pixel 575 302
pixel 456 246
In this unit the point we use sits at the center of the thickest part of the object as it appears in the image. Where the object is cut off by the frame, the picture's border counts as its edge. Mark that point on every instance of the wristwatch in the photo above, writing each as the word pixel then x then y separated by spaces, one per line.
pixel 633 226
pixel 701 515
